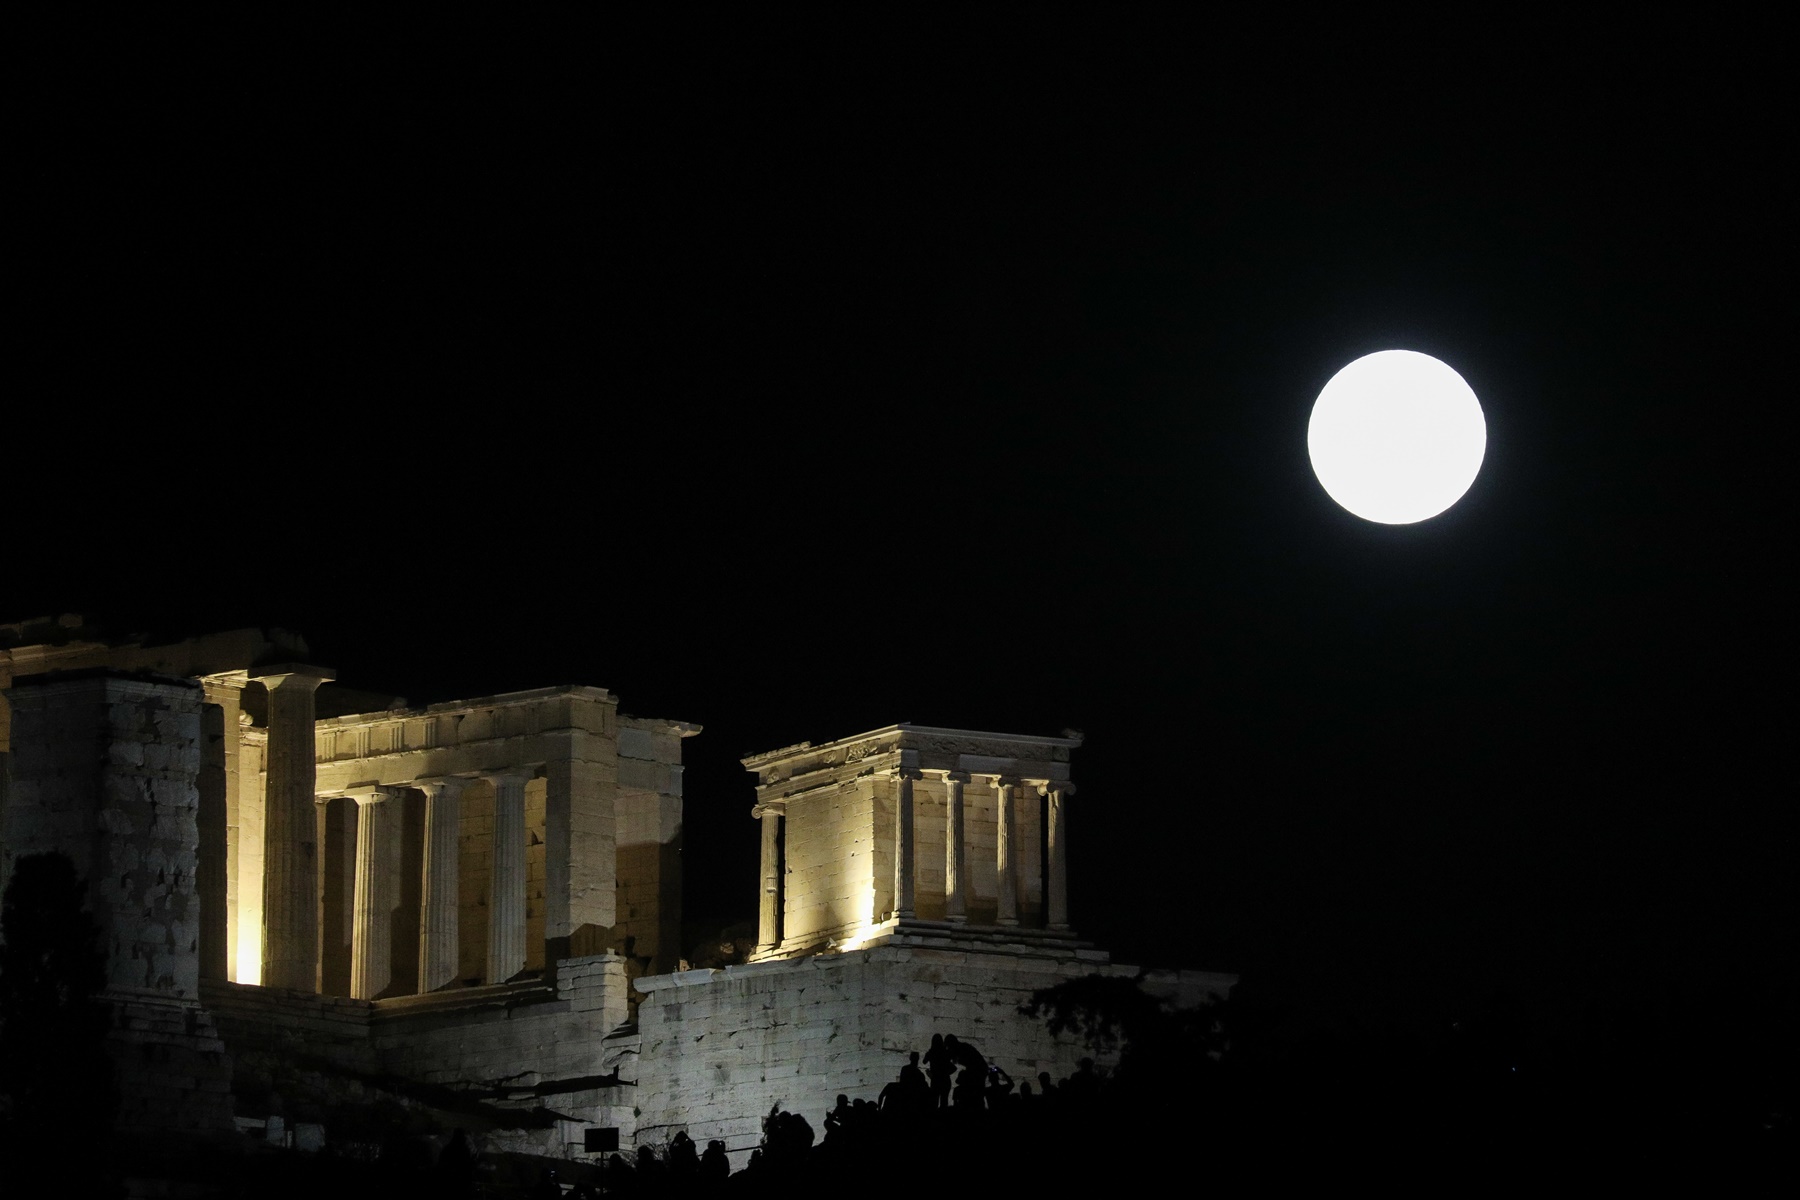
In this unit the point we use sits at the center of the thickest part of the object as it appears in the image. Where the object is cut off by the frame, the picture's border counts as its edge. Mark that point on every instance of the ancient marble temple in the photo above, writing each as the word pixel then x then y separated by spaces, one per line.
pixel 485 896
pixel 398 851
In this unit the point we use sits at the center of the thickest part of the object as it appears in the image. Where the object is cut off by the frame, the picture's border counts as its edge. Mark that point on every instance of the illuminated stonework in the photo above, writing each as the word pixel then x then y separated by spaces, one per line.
pixel 912 829
pixel 564 839
pixel 484 896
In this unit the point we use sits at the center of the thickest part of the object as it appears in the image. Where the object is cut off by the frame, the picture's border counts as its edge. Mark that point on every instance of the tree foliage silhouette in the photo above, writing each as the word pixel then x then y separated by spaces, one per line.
pixel 54 1068
pixel 1159 1045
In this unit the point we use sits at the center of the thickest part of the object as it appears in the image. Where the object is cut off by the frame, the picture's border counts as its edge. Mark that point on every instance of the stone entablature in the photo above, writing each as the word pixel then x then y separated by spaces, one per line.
pixel 911 822
pixel 797 769
pixel 460 726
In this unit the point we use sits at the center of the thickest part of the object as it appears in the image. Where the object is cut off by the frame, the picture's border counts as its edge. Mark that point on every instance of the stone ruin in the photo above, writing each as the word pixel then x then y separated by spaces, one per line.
pixel 313 898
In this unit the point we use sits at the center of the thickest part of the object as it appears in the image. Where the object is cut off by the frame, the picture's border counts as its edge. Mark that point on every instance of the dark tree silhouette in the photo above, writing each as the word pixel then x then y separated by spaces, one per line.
pixel 1159 1045
pixel 54 1069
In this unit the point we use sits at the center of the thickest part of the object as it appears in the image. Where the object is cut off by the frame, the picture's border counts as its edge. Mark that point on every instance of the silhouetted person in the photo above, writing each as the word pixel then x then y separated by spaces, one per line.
pixel 715 1167
pixel 620 1178
pixel 907 1094
pixel 1083 1087
pixel 970 1089
pixel 915 1092
pixel 965 1055
pixel 684 1159
pixel 1046 1089
pixel 456 1166
pixel 997 1087
pixel 774 1138
pixel 940 1065
pixel 545 1188
pixel 802 1133
pixel 838 1123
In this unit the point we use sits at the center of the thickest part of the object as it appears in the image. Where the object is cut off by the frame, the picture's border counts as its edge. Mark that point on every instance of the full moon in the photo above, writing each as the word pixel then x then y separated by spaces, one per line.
pixel 1396 437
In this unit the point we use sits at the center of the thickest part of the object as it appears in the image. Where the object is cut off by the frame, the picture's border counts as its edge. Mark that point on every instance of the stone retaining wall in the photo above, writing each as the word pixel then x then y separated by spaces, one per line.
pixel 721 1047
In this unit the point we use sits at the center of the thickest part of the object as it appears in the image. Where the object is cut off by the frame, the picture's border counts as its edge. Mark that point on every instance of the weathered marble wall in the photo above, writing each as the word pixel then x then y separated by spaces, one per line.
pixel 106 771
pixel 519 1047
pixel 487 1036
pixel 829 886
pixel 648 842
pixel 840 857
pixel 721 1047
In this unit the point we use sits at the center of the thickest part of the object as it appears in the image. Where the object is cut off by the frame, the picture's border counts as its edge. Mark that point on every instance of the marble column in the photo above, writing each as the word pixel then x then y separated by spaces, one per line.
pixel 506 878
pixel 322 926
pixel 905 844
pixel 956 873
pixel 1058 794
pixel 768 924
pixel 439 896
pixel 372 930
pixel 211 878
pixel 290 831
pixel 225 690
pixel 1006 794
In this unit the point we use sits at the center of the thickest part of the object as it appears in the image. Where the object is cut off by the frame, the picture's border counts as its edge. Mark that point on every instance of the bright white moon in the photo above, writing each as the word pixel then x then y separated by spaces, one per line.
pixel 1396 437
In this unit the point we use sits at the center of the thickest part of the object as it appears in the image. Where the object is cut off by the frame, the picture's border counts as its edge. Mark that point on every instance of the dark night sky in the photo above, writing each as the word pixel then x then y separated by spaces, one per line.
pixel 796 376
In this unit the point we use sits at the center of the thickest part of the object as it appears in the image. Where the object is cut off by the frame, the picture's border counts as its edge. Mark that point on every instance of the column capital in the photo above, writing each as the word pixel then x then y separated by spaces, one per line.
pixel 1062 787
pixel 221 685
pixel 370 795
pixel 522 773
pixel 290 675
pixel 905 772
pixel 955 776
pixel 769 808
pixel 1008 781
pixel 437 785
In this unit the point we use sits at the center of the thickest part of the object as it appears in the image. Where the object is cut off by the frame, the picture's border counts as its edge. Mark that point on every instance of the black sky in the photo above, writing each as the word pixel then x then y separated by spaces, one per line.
pixel 797 374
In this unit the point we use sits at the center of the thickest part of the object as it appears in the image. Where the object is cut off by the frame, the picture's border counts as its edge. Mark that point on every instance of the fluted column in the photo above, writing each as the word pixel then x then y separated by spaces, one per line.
pixel 1058 794
pixel 290 832
pixel 768 923
pixel 905 843
pixel 439 895
pixel 372 933
pixel 321 839
pixel 1006 794
pixel 956 872
pixel 224 690
pixel 506 878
